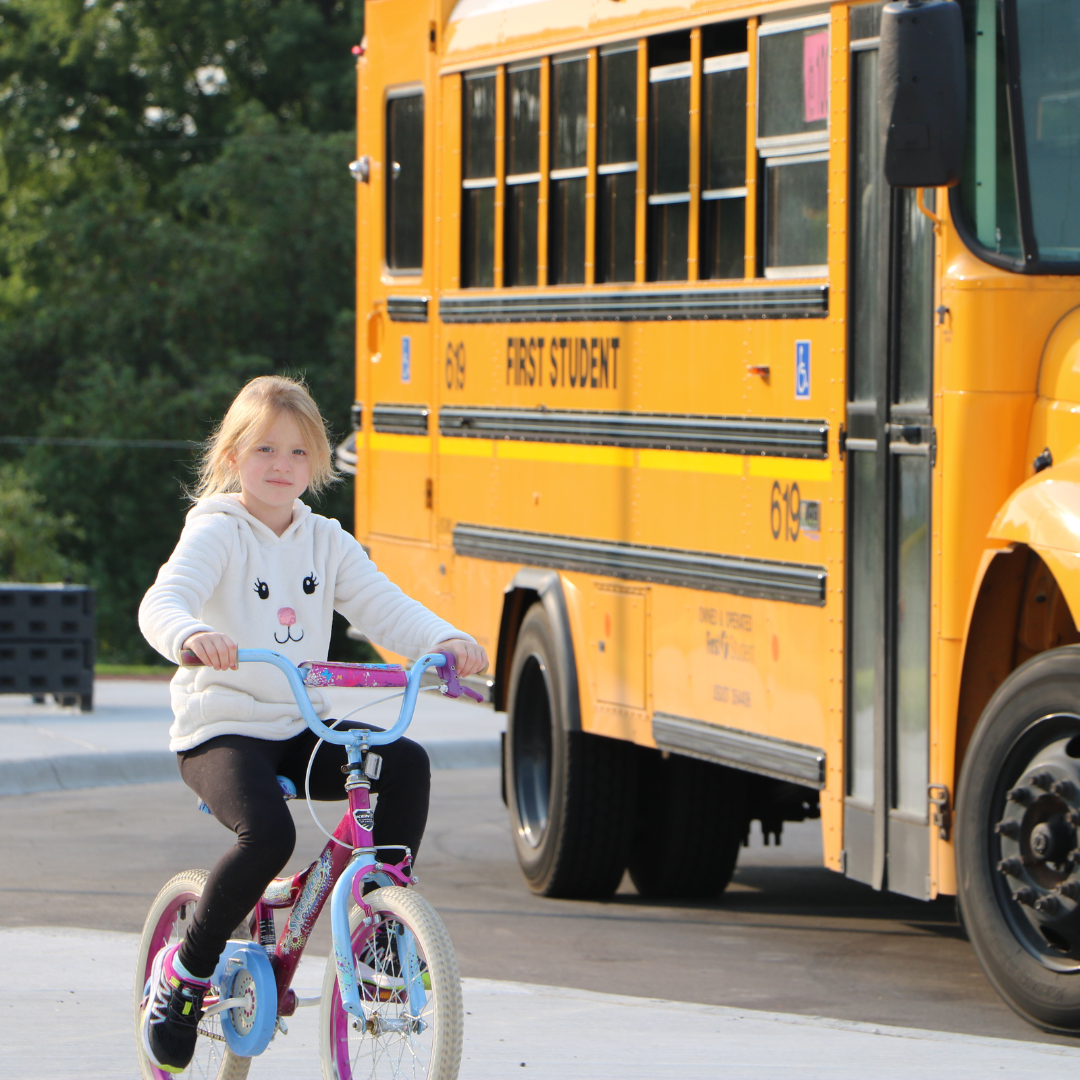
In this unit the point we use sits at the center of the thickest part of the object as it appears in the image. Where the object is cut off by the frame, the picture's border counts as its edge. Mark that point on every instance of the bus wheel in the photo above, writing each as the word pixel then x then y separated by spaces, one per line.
pixel 570 794
pixel 1018 863
pixel 690 825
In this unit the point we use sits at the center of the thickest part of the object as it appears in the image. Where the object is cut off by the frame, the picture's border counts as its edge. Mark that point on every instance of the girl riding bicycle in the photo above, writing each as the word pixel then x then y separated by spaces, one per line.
pixel 255 565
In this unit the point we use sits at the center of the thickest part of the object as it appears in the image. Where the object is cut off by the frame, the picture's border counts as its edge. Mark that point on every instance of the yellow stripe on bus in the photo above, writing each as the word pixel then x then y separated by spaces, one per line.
pixel 401 444
pixel 690 461
pixel 616 456
pixel 466 447
pixel 790 469
pixel 613 457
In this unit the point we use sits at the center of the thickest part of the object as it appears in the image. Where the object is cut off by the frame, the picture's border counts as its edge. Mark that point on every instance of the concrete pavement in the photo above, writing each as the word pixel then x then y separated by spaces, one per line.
pixel 65 1000
pixel 125 739
pixel 65 1011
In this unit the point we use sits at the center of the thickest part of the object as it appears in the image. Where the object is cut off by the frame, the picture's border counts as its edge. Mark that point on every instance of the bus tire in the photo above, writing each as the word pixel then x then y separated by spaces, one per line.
pixel 570 794
pixel 691 823
pixel 1015 844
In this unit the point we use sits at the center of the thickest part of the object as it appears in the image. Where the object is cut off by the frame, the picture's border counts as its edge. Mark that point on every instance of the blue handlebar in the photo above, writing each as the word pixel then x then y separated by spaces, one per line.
pixel 346 738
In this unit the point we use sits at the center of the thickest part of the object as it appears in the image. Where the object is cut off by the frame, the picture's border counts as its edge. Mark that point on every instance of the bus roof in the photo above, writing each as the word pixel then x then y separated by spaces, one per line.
pixel 479 30
pixel 466 9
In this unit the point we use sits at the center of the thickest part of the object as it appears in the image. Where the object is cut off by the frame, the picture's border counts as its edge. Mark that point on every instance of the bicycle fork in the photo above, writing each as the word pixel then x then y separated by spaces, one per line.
pixel 364 767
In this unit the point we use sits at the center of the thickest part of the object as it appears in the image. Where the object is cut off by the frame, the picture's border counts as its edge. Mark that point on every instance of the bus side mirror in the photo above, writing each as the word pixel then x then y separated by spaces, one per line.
pixel 923 97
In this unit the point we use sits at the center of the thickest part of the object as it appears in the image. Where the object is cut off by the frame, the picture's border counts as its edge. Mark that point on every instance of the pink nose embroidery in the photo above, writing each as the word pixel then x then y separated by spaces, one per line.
pixel 286 616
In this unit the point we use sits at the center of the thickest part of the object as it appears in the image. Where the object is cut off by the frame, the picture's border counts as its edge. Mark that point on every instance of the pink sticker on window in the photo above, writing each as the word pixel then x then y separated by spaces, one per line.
pixel 815 73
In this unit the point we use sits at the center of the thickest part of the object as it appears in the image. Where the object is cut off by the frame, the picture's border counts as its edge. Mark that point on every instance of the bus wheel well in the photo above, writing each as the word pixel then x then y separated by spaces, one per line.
pixel 516 602
pixel 530 586
pixel 1020 612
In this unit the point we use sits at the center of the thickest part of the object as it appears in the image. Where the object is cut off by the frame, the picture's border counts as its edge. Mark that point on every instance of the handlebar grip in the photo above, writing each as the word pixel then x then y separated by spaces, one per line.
pixel 189 659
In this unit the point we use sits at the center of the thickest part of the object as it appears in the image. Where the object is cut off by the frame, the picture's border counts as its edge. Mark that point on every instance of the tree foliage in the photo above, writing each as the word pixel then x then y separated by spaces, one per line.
pixel 175 218
pixel 30 536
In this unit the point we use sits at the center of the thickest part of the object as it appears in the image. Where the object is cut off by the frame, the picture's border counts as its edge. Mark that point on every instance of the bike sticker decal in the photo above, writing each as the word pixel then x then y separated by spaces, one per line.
pixel 301 918
pixel 365 819
pixel 282 892
pixel 338 674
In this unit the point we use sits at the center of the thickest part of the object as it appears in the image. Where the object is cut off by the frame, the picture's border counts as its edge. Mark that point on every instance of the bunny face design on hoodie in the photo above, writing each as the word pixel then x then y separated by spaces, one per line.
pixel 231 573
pixel 286 616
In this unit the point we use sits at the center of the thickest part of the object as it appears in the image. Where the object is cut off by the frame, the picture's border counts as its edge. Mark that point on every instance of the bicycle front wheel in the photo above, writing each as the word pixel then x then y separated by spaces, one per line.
pixel 166 924
pixel 411 992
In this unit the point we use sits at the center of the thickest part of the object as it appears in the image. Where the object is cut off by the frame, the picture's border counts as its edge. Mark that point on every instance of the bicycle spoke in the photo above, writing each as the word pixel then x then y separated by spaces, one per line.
pixel 167 924
pixel 395 1039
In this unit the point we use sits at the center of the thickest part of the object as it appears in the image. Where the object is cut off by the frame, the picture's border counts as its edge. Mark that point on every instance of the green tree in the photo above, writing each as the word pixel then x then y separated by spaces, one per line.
pixel 30 536
pixel 175 218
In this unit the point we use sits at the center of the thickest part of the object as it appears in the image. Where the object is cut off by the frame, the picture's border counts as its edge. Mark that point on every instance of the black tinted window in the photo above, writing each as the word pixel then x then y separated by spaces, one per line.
pixel 405 182
pixel 478 181
pixel 618 106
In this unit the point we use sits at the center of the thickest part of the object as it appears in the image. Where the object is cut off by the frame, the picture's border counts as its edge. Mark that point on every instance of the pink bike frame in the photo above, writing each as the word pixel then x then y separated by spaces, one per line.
pixel 351 859
pixel 307 892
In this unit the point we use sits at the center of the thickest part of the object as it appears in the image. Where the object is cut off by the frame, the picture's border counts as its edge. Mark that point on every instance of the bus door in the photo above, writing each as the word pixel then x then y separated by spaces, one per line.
pixel 398 329
pixel 890 447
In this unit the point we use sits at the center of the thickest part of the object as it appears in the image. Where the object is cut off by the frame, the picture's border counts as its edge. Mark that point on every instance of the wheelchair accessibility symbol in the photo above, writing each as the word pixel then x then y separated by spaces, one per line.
pixel 802 370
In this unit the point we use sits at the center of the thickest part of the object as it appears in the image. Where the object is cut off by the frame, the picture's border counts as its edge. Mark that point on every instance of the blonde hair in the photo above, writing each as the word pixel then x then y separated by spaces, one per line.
pixel 253 410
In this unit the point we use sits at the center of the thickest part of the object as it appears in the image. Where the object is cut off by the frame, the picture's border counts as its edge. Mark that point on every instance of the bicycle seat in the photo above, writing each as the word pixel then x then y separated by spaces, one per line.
pixel 288 790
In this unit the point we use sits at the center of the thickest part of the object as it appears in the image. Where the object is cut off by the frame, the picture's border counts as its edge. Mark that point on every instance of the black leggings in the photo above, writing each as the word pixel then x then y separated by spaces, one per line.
pixel 236 776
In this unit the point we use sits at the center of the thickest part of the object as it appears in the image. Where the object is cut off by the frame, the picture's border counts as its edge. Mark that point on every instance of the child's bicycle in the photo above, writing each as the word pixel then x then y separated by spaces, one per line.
pixel 391 996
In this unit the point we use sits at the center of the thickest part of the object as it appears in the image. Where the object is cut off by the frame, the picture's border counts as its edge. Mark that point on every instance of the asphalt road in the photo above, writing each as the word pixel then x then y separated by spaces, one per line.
pixel 787 936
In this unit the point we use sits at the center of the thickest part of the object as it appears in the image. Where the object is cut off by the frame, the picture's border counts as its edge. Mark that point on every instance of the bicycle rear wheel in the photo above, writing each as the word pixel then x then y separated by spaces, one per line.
pixel 402 1034
pixel 166 924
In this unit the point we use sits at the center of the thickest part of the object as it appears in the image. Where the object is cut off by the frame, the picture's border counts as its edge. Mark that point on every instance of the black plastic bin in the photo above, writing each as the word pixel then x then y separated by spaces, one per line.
pixel 47 642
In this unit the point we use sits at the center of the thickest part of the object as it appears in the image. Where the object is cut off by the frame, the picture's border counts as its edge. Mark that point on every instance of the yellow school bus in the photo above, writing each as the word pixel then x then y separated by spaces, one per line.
pixel 754 473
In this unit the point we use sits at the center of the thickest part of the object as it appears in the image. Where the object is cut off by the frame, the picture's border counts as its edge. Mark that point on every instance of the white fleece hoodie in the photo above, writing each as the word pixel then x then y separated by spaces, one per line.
pixel 231 573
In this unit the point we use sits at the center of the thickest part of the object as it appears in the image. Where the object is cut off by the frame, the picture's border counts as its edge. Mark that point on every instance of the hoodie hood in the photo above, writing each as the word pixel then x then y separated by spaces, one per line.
pixel 229 503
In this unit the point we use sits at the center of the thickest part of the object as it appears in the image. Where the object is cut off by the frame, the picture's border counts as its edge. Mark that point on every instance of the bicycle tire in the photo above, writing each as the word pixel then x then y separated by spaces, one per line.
pixel 163 926
pixel 433 1053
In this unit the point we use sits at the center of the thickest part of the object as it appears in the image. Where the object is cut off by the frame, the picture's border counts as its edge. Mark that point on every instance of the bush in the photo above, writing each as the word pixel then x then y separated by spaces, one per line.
pixel 31 536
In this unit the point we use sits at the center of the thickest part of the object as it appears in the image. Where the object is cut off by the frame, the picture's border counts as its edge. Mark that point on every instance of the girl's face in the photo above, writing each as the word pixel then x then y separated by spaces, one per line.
pixel 276 468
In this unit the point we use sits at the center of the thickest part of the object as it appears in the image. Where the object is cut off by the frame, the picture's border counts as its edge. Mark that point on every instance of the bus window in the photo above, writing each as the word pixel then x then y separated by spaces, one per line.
pixel 522 173
pixel 796 212
pixel 669 158
pixel 792 138
pixel 616 194
pixel 405 181
pixel 723 152
pixel 478 184
pixel 569 169
pixel 988 188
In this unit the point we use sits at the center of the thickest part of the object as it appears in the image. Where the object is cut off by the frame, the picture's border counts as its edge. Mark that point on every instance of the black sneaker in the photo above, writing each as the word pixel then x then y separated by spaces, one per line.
pixel 171 1014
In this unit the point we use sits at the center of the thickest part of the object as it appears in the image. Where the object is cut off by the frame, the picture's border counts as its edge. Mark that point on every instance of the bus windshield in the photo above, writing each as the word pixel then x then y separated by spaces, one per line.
pixel 1046 47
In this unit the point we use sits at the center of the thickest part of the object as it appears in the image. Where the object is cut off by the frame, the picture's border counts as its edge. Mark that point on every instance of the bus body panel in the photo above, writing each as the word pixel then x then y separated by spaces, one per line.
pixel 760 665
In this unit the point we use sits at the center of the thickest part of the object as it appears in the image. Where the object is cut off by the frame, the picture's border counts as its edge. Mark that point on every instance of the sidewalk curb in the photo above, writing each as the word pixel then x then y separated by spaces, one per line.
pixel 70 772
pixel 463 753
